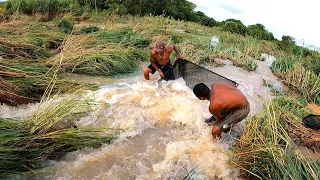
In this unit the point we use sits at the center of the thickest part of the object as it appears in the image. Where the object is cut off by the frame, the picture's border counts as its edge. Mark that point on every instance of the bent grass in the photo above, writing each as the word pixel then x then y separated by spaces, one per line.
pixel 265 150
pixel 49 134
pixel 306 82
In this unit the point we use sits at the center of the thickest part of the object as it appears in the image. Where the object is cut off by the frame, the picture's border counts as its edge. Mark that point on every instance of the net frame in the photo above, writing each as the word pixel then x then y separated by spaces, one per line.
pixel 193 74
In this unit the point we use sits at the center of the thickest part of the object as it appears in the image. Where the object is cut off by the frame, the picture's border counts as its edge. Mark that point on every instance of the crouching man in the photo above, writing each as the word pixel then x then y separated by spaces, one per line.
pixel 228 105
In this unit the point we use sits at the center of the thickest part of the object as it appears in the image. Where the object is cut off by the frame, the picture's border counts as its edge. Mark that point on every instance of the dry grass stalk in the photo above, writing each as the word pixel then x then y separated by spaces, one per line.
pixel 8 95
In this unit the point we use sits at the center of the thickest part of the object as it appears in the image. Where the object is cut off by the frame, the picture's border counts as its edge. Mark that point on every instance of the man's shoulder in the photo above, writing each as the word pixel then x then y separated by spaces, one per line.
pixel 223 84
pixel 170 46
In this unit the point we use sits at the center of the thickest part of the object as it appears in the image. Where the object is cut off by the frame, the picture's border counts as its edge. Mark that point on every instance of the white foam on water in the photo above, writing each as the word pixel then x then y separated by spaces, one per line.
pixel 21 112
pixel 164 136
pixel 268 59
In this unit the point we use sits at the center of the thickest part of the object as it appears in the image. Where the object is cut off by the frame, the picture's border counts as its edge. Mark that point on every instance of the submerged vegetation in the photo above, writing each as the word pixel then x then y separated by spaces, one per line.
pixel 49 134
pixel 63 37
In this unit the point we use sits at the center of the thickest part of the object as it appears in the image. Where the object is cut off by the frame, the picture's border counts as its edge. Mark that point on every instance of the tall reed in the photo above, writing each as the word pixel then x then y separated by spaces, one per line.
pixel 295 75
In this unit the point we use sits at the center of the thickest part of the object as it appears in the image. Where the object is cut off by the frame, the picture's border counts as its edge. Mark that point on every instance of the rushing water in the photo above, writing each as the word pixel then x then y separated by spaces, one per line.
pixel 164 136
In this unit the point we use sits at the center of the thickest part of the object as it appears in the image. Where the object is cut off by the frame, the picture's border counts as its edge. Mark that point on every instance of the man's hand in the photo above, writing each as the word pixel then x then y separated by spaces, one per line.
pixel 181 57
pixel 160 73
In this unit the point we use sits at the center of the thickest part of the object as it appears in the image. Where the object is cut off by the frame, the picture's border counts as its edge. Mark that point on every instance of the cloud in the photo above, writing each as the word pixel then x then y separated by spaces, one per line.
pixel 230 8
pixel 294 18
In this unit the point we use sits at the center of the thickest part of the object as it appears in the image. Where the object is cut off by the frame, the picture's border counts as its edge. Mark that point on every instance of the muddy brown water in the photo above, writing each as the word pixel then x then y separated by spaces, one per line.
pixel 164 136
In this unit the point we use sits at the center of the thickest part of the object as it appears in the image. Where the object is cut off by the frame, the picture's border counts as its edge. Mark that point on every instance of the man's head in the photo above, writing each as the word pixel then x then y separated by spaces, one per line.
pixel 201 91
pixel 160 46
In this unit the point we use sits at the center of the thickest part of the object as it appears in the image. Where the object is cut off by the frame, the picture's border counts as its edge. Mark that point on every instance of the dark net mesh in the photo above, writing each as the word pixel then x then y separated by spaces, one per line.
pixel 312 121
pixel 194 74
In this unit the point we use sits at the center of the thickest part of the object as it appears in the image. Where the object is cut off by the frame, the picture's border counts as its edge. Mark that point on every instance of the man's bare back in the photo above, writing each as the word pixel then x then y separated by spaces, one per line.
pixel 225 97
pixel 228 105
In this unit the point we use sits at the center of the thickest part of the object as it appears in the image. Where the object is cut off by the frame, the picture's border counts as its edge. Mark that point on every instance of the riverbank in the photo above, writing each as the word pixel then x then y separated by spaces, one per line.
pixel 118 44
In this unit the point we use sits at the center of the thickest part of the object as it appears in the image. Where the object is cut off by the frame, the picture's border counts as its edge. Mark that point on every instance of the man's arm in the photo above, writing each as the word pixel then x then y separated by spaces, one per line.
pixel 176 50
pixel 215 110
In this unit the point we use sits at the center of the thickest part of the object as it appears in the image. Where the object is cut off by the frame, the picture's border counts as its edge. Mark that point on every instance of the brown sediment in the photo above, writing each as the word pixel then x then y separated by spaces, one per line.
pixel 302 135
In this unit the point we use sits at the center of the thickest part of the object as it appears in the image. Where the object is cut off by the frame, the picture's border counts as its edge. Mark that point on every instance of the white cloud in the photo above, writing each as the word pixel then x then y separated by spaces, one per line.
pixel 286 17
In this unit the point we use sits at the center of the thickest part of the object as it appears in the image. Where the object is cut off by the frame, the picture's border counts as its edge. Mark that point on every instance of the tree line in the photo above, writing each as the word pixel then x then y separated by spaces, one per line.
pixel 177 9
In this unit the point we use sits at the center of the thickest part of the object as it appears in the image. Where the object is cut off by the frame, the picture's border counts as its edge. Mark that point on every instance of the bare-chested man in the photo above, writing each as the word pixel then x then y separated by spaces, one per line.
pixel 160 59
pixel 228 105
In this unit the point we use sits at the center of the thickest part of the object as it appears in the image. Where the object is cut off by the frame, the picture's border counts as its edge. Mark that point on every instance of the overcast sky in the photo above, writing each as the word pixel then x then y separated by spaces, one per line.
pixel 296 18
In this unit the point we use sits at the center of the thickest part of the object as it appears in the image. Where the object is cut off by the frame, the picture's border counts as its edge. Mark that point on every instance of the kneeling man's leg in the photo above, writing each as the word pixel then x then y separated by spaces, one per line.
pixel 233 118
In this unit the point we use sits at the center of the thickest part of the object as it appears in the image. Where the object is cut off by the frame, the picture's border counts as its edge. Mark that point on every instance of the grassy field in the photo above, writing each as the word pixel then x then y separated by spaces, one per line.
pixel 35 56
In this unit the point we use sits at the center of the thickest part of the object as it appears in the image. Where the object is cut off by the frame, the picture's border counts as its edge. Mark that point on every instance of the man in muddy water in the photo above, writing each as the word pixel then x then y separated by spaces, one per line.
pixel 160 59
pixel 228 105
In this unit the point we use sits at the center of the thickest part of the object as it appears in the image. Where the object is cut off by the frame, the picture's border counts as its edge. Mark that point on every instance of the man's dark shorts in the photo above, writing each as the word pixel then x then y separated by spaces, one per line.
pixel 234 117
pixel 164 68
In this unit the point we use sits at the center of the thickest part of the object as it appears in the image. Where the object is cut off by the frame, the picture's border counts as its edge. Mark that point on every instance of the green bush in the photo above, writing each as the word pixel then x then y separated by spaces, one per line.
pixel 258 31
pixel 38 6
pixel 203 19
pixel 283 64
pixel 312 64
pixel 234 26
pixel 65 24
pixel 89 29
pixel 302 51
pixel 315 65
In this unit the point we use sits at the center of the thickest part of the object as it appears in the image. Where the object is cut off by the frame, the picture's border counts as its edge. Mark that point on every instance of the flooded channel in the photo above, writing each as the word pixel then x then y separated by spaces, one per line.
pixel 164 134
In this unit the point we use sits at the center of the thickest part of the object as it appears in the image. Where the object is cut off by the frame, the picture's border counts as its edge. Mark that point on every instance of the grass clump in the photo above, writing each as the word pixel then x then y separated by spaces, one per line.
pixel 49 134
pixel 22 152
pixel 23 82
pixel 265 149
pixel 125 37
pixel 306 82
pixel 237 57
pixel 10 50
pixel 89 29
pixel 29 39
pixel 105 64
pixel 59 113
pixel 65 24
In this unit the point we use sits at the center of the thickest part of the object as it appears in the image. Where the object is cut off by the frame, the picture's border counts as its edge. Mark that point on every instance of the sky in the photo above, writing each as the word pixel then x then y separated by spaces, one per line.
pixel 296 18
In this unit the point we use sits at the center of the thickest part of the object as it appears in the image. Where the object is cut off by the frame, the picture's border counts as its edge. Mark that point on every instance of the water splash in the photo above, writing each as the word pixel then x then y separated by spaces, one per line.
pixel 164 136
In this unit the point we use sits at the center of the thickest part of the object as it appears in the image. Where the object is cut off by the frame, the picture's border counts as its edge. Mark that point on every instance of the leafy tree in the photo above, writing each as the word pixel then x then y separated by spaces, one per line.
pixel 180 9
pixel 203 19
pixel 288 39
pixel 234 26
pixel 258 31
pixel 287 44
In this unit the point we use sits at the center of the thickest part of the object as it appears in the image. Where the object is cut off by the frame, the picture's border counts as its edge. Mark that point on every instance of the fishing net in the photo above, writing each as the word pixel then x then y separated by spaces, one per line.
pixel 194 74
